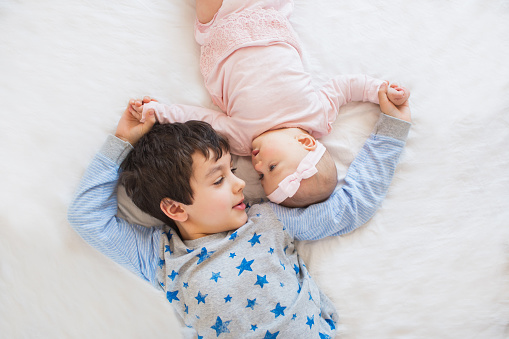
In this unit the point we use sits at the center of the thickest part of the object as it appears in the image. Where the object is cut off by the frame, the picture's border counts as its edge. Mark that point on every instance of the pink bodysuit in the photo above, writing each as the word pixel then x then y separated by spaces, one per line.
pixel 252 67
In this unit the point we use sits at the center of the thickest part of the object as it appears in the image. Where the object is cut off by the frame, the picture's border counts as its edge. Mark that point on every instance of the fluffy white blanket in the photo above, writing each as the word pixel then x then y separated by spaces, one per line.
pixel 432 263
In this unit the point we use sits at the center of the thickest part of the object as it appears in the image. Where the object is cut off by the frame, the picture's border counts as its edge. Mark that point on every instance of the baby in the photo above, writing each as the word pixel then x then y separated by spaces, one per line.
pixel 252 66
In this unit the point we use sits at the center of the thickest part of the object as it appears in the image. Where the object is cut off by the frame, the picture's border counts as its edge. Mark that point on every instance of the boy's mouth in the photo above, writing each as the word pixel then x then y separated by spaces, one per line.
pixel 240 206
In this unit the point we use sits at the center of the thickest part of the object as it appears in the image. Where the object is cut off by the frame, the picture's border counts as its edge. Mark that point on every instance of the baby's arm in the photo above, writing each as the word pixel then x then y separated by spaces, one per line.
pixel 347 88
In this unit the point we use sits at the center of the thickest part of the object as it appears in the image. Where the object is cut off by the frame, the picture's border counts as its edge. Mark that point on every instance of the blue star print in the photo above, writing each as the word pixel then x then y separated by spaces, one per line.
pixel 324 336
pixel 311 321
pixel 172 296
pixel 173 275
pixel 200 297
pixel 251 303
pixel 161 263
pixel 279 310
pixel 253 327
pixel 167 249
pixel 245 266
pixel 169 235
pixel 271 251
pixel 220 326
pixel 294 316
pixel 227 298
pixel 204 255
pixel 261 280
pixel 216 276
pixel 186 285
pixel 269 335
pixel 233 236
pixel 232 255
pixel 296 269
pixel 331 323
pixel 186 309
pixel 255 239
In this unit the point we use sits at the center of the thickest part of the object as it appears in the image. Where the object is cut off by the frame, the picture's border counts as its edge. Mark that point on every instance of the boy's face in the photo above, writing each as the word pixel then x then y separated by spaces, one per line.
pixel 217 196
pixel 276 154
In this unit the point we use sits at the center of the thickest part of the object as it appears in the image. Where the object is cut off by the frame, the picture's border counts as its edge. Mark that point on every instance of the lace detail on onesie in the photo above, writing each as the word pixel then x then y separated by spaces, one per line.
pixel 252 27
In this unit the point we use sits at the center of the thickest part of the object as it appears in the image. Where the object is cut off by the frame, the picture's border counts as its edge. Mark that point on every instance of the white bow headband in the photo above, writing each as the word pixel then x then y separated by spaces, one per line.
pixel 306 169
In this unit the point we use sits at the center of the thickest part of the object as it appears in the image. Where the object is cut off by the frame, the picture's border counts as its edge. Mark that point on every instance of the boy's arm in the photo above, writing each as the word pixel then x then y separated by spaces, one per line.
pixel 366 184
pixel 92 213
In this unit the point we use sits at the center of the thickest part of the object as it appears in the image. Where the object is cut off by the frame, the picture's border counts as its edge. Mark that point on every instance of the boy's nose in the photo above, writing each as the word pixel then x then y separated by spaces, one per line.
pixel 257 165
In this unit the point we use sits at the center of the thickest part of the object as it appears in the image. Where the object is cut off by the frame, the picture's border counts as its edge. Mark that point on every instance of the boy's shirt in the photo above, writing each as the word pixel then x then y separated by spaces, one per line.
pixel 93 212
pixel 243 283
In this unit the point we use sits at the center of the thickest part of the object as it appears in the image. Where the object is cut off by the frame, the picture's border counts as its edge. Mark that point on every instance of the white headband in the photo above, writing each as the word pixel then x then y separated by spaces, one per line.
pixel 306 169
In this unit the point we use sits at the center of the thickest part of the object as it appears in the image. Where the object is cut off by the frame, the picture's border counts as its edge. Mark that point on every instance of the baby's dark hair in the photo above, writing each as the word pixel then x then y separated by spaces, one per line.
pixel 161 164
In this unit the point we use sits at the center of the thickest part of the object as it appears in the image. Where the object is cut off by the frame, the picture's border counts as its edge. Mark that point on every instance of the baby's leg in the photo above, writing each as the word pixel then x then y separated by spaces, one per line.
pixel 206 9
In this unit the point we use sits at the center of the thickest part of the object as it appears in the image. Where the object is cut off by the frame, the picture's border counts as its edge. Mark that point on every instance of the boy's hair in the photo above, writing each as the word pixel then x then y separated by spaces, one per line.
pixel 161 164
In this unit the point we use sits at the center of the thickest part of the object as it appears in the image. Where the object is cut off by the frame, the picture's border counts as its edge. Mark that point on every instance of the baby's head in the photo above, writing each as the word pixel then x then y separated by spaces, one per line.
pixel 182 174
pixel 285 160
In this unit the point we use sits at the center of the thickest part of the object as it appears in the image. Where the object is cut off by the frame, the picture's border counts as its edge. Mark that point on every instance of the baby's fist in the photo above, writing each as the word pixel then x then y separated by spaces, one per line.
pixel 397 95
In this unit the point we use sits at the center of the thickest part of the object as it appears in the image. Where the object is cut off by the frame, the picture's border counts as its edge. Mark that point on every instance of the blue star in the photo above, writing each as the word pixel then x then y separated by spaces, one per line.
pixel 251 303
pixel 255 239
pixel 200 337
pixel 189 251
pixel 167 249
pixel 269 335
pixel 162 284
pixel 261 280
pixel 324 336
pixel 284 268
pixel 245 266
pixel 300 289
pixel 204 255
pixel 228 298
pixel 271 251
pixel 258 214
pixel 200 297
pixel 186 285
pixel 216 276
pixel 169 236
pixel 220 326
pixel 282 285
pixel 296 269
pixel 284 250
pixel 161 263
pixel 253 327
pixel 233 236
pixel 279 310
pixel 173 275
pixel 331 324
pixel 311 321
pixel 294 316
pixel 232 255
pixel 186 308
pixel 172 296
pixel 310 296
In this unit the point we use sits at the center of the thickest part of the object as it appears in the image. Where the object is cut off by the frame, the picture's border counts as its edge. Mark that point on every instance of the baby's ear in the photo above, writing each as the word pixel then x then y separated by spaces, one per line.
pixel 307 141
pixel 174 210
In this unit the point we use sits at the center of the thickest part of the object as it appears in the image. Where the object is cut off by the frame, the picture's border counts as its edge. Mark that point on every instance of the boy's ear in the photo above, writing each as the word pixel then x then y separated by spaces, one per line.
pixel 307 141
pixel 174 210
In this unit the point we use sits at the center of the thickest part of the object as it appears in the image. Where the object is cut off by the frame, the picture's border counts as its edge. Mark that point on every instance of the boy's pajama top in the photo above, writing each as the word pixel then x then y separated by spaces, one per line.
pixel 248 283
pixel 252 66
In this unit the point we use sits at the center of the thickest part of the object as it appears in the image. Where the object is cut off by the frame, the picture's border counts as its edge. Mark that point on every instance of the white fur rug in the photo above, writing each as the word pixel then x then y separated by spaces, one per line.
pixel 432 263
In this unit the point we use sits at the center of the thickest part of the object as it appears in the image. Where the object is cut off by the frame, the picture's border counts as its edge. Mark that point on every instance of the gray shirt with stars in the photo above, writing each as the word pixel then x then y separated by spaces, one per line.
pixel 248 283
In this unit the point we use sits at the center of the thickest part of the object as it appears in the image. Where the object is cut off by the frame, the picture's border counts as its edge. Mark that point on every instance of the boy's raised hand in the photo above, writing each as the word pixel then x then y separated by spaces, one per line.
pixel 386 106
pixel 130 128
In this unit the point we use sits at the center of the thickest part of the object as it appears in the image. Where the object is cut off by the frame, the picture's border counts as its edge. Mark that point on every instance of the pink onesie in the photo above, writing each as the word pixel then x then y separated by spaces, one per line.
pixel 252 67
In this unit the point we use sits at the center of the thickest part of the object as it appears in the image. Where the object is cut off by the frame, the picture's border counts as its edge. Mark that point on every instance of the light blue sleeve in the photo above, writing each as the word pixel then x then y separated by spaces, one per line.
pixel 366 184
pixel 92 214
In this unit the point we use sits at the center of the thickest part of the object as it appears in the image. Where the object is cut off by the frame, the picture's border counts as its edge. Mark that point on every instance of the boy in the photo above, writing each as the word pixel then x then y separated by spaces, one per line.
pixel 228 273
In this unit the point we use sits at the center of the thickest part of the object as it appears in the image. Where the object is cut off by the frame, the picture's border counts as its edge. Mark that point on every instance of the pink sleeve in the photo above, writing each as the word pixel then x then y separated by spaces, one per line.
pixel 346 88
pixel 181 113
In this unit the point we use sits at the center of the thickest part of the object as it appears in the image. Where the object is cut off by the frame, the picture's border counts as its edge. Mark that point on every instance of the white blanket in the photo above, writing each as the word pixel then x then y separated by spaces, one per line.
pixel 432 263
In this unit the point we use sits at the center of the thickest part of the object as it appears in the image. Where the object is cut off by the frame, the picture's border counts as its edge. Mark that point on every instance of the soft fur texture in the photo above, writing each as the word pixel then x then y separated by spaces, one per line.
pixel 432 263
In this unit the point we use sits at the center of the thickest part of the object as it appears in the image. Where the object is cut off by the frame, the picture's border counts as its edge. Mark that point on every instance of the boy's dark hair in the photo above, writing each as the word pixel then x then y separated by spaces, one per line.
pixel 161 164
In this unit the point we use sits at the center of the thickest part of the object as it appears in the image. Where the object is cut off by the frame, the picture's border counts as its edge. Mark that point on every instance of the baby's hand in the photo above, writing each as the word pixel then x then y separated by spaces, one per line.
pixel 397 95
pixel 388 107
pixel 136 107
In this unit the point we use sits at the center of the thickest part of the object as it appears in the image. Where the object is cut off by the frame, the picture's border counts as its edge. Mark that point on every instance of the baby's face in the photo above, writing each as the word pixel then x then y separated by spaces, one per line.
pixel 276 154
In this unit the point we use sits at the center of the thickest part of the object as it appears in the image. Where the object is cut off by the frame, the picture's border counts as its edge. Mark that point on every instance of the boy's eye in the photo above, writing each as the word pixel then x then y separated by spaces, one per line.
pixel 219 181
